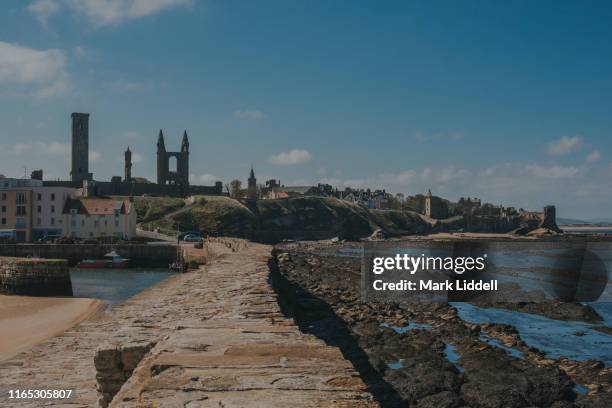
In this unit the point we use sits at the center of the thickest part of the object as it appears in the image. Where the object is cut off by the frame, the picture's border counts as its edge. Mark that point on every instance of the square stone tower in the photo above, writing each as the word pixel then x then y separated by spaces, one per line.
pixel 80 147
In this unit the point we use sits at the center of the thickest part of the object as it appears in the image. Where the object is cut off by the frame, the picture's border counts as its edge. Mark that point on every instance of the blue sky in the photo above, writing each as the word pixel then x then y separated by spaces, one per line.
pixel 508 101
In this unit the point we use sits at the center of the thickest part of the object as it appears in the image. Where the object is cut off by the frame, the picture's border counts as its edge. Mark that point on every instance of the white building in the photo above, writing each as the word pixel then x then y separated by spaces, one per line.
pixel 96 217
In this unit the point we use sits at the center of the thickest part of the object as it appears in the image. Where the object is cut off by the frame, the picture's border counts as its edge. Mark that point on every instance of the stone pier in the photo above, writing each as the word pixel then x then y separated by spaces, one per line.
pixel 211 338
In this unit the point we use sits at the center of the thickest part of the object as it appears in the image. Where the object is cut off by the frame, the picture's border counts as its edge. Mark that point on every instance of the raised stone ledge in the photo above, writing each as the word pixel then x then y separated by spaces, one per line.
pixel 35 277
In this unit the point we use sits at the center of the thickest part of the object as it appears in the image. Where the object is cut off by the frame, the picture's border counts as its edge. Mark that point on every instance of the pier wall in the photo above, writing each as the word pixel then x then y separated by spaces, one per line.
pixel 139 254
pixel 35 277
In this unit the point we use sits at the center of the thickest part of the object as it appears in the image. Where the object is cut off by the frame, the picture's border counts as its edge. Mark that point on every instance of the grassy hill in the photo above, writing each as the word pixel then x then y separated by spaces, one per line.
pixel 275 220
pixel 153 208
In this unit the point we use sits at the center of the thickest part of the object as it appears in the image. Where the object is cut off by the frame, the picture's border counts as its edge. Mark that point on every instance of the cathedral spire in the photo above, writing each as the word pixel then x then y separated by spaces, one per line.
pixel 185 143
pixel 160 141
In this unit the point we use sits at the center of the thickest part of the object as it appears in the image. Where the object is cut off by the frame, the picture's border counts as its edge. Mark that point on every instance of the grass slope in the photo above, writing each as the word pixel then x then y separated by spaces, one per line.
pixel 293 218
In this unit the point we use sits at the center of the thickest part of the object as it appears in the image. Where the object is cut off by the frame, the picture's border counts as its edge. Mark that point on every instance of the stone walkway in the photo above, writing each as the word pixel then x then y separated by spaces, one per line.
pixel 219 340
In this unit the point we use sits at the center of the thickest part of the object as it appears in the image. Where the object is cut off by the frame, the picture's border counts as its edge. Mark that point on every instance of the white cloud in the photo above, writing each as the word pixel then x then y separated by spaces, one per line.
pixel 295 156
pixel 137 158
pixel 204 179
pixel 43 9
pixel 59 87
pixel 40 148
pixel 564 145
pixel 249 114
pixel 113 12
pixel 552 172
pixel 94 156
pixel 593 157
pixel 24 64
pixel 42 69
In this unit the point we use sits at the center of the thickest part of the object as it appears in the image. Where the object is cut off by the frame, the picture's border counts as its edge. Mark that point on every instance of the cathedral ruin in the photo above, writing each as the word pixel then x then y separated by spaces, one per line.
pixel 172 170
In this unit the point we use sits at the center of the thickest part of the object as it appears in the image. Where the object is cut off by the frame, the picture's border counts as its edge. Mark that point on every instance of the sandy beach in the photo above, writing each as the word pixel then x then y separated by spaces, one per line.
pixel 26 321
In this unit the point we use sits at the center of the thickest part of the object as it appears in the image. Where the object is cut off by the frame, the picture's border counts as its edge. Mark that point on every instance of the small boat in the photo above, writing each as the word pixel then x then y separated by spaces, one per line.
pixel 111 260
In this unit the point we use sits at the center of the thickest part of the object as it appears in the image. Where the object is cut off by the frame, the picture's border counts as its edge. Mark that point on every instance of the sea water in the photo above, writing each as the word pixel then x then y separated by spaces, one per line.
pixel 114 285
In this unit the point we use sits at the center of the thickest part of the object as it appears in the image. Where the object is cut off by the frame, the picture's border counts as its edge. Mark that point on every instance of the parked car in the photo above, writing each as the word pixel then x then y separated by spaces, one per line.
pixel 183 234
pixel 192 238
pixel 48 239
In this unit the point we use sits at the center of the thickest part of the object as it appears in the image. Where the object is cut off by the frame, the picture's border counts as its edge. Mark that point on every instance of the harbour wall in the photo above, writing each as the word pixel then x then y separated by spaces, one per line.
pixel 138 254
pixel 35 277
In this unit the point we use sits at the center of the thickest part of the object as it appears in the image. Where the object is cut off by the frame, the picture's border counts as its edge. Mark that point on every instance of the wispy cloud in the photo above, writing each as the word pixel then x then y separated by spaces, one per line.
pixel 113 12
pixel 43 9
pixel 43 71
pixel 40 148
pixel 523 184
pixel 593 156
pixel 249 114
pixel 295 156
pixel 137 158
pixel 564 145
pixel 204 179
pixel 94 156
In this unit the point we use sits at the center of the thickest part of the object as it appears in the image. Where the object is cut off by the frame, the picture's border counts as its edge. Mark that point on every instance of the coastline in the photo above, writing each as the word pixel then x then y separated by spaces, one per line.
pixel 27 321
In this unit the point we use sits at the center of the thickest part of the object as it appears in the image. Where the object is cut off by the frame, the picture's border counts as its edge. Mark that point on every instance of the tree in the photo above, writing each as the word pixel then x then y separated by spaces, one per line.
pixel 236 189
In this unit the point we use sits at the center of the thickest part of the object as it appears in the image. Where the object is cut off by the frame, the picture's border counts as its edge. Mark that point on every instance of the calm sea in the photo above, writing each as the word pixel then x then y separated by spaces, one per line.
pixel 114 285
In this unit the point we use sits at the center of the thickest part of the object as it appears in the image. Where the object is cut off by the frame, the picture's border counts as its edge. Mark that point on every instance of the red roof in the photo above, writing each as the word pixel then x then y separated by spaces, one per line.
pixel 96 206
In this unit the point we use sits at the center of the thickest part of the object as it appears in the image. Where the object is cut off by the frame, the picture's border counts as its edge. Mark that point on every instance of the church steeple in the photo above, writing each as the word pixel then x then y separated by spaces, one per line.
pixel 252 185
pixel 161 146
pixel 185 143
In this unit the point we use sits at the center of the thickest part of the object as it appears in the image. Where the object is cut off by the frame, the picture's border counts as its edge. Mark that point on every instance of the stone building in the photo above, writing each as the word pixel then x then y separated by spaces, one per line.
pixel 172 170
pixel 166 173
pixel 80 148
pixel 435 207
pixel 29 210
pixel 99 217
pixel 128 166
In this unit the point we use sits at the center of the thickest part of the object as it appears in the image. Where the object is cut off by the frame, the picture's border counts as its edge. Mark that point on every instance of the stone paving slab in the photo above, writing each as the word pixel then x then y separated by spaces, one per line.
pixel 245 354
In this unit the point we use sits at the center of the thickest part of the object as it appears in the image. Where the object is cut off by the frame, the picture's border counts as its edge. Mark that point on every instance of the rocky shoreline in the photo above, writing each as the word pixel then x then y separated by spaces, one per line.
pixel 424 354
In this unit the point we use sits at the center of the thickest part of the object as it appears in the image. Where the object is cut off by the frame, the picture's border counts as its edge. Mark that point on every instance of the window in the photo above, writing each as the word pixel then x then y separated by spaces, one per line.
pixel 21 210
pixel 3 196
pixel 97 223
pixel 39 197
pixel 82 222
pixel 4 221
pixel 52 196
pixel 4 208
pixel 39 209
pixel 116 223
pixel 52 221
pixel 73 211
pixel 38 221
pixel 73 223
pixel 52 209
pixel 91 234
pixel 21 198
